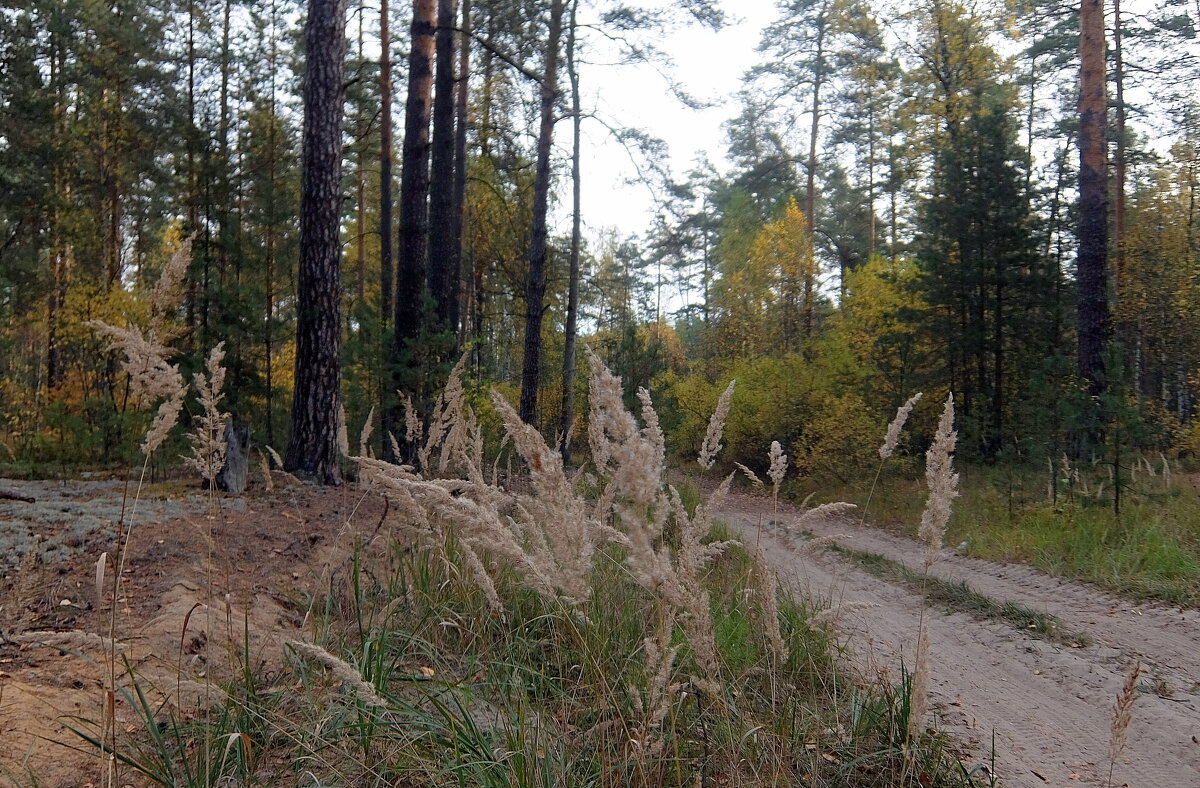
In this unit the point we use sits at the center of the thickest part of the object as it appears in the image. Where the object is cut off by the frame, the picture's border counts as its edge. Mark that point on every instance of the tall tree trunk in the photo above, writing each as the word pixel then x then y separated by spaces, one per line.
pixel 360 190
pixel 1091 275
pixel 386 287
pixel 568 400
pixel 810 199
pixel 271 229
pixel 443 246
pixel 312 448
pixel 535 291
pixel 414 207
pixel 460 155
pixel 1119 175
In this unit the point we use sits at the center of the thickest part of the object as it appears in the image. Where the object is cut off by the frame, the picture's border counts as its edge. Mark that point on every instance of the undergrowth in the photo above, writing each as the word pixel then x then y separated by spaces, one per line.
pixel 520 633
pixel 1151 550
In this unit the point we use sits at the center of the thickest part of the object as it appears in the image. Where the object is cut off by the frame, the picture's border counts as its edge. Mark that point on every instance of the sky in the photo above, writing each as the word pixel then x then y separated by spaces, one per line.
pixel 709 65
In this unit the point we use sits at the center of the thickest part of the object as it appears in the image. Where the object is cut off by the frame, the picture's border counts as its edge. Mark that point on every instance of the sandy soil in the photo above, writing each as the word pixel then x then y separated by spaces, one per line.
pixel 1049 706
pixel 195 578
pixel 196 574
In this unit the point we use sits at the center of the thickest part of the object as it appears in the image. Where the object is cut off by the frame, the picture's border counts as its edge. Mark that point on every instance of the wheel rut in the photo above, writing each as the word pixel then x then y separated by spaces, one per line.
pixel 1048 704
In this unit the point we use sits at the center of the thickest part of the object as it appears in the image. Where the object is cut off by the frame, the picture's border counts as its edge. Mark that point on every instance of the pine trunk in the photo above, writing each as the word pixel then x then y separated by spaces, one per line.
pixel 568 401
pixel 312 449
pixel 443 245
pixel 386 284
pixel 385 166
pixel 535 292
pixel 1093 200
pixel 414 207
pixel 460 155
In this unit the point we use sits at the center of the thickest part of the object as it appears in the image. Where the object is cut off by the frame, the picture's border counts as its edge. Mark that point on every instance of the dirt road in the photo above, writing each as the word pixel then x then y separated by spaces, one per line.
pixel 1048 704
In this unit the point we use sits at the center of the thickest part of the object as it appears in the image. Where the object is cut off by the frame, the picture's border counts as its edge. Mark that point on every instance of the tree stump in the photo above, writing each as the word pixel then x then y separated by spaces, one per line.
pixel 232 477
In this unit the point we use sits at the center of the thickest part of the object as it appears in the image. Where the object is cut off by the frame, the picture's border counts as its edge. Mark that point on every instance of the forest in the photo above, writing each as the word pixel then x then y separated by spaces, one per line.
pixel 340 248
pixel 905 207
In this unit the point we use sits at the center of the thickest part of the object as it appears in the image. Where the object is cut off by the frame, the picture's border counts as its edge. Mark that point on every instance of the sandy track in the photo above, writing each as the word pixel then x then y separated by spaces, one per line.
pixel 1049 705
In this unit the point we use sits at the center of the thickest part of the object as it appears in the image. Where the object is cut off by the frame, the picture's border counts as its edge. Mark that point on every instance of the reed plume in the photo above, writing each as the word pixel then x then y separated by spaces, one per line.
pixel 942 482
pixel 893 431
pixel 208 438
pixel 716 426
pixel 943 489
pixel 1122 716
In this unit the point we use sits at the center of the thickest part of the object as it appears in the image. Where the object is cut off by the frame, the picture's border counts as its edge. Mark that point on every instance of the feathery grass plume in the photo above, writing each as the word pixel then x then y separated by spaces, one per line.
pixel 413 428
pixel 1122 716
pixel 893 430
pixel 475 514
pixel 750 475
pixel 766 588
pixel 633 460
pixel 609 424
pixel 364 437
pixel 833 616
pixel 716 425
pixel 208 437
pixel 264 467
pixel 346 673
pixel 889 446
pixel 942 482
pixel 275 458
pixel 343 434
pixel 778 465
pixel 101 565
pixel 943 489
pixel 652 430
pixel 554 521
pixel 632 457
pixel 168 290
pixel 164 419
pixel 150 376
pixel 450 424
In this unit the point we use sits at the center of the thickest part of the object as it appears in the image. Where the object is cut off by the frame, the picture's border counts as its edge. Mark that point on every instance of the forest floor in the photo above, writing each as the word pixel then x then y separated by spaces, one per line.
pixel 1046 702
pixel 260 558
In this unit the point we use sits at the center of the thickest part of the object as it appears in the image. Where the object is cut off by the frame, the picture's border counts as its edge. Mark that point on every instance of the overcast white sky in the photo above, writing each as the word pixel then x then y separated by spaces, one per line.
pixel 709 66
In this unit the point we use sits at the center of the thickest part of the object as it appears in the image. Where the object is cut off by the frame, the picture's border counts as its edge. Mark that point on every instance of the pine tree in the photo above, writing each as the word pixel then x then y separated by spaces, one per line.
pixel 316 404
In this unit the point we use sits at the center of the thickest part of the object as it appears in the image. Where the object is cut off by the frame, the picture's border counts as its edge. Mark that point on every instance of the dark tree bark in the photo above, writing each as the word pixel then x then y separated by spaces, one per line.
pixel 1123 329
pixel 1091 275
pixel 460 154
pixel 568 401
pixel 385 165
pixel 414 205
pixel 312 448
pixel 443 245
pixel 535 292
pixel 386 285
pixel 810 198
pixel 360 202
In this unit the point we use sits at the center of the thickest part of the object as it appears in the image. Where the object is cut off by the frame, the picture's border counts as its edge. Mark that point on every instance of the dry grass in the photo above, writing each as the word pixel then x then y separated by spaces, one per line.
pixel 1122 716
pixel 943 489
pixel 507 624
